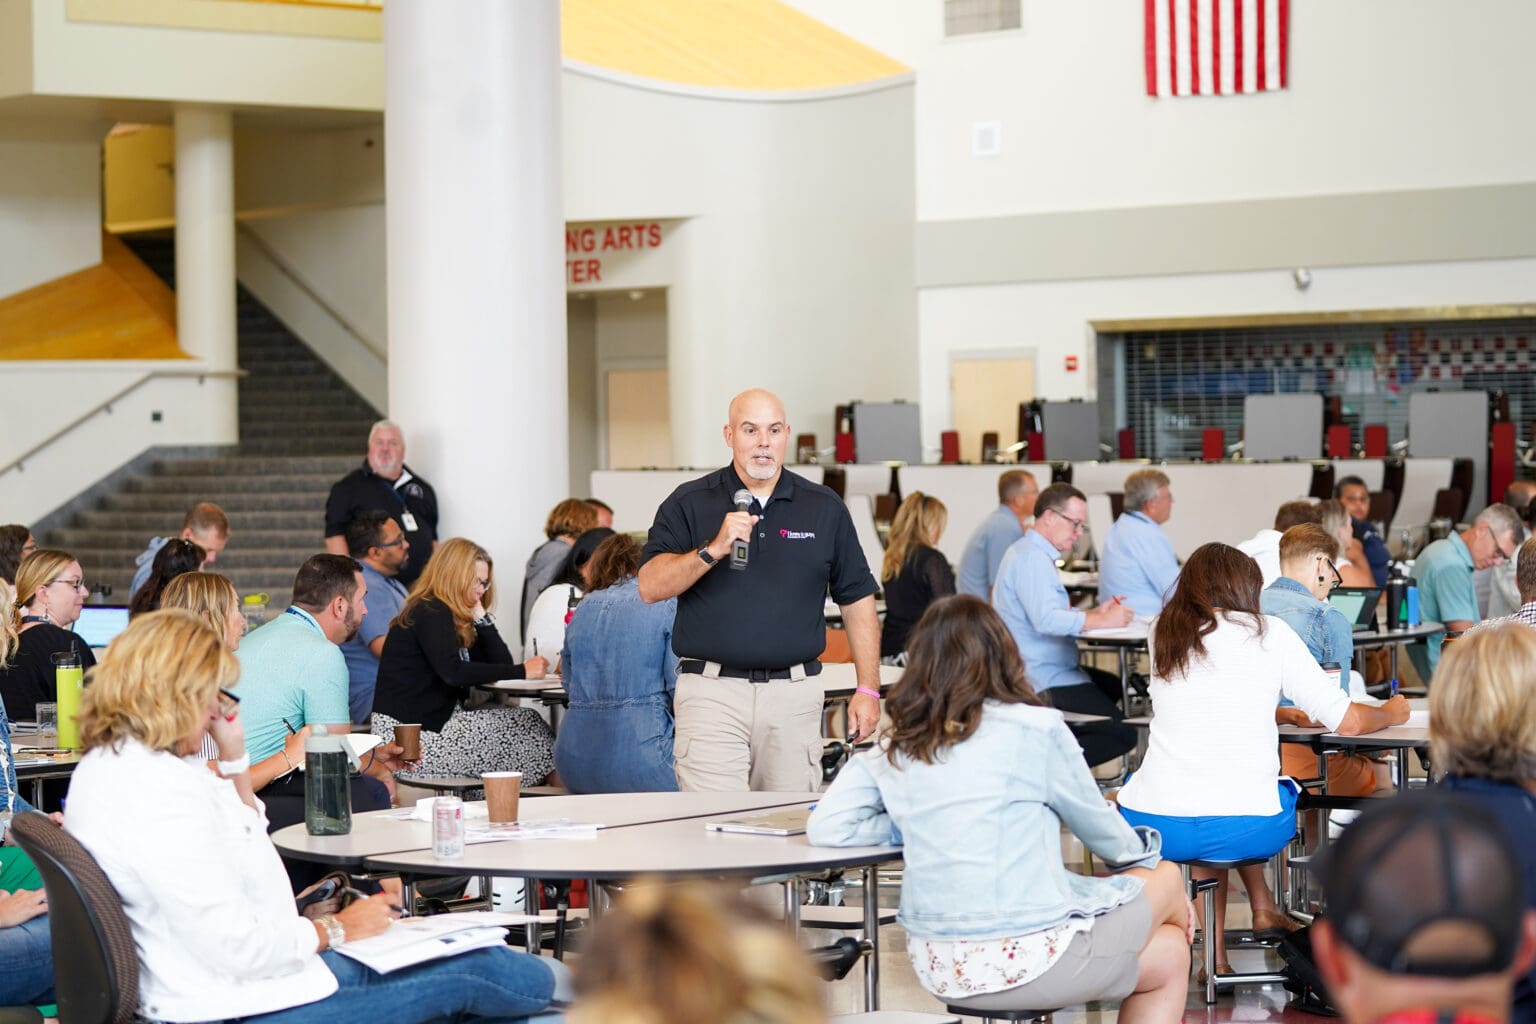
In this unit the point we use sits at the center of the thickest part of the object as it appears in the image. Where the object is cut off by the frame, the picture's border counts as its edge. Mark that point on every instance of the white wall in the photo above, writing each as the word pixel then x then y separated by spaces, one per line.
pixel 50 201
pixel 794 267
pixel 178 64
pixel 1384 95
pixel 43 396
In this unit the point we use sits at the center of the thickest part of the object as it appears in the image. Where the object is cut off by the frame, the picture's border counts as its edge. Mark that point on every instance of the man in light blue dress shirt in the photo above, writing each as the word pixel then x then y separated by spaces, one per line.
pixel 1034 605
pixel 1137 559
pixel 1016 494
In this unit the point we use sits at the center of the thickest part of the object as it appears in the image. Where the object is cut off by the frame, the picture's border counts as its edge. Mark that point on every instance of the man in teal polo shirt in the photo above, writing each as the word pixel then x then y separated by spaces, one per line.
pixel 293 677
pixel 1443 574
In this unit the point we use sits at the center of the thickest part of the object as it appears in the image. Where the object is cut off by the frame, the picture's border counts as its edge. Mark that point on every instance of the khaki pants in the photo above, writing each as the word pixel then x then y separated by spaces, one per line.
pixel 734 735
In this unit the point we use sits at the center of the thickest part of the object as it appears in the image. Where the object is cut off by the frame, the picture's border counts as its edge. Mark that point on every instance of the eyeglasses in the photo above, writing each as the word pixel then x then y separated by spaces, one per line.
pixel 392 544
pixel 1077 524
pixel 482 584
pixel 1504 556
pixel 1338 581
pixel 228 703
pixel 74 584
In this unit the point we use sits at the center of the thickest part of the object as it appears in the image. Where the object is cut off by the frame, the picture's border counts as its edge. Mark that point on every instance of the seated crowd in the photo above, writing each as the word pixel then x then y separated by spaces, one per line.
pixel 975 771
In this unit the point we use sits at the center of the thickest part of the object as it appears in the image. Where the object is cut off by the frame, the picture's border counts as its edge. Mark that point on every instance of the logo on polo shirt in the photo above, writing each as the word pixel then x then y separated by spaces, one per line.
pixel 797 535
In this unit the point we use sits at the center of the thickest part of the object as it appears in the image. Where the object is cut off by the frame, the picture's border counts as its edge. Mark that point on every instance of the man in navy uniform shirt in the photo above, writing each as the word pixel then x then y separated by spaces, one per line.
pixel 384 483
pixel 747 705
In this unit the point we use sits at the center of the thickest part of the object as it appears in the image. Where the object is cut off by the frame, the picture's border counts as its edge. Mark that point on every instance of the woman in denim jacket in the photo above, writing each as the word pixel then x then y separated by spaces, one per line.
pixel 975 778
pixel 620 672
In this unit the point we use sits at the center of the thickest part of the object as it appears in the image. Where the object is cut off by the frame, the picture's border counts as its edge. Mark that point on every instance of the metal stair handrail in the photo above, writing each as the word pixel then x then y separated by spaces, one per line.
pixel 105 405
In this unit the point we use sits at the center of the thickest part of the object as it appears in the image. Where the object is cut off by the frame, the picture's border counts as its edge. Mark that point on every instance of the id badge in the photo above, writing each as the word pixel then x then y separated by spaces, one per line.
pixel 408 521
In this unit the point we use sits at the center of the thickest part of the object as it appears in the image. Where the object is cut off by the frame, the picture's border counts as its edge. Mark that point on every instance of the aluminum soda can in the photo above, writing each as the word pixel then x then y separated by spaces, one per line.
pixel 448 828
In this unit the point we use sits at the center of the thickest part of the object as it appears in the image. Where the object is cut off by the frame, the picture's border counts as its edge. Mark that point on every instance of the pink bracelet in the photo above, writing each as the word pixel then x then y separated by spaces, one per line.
pixel 867 692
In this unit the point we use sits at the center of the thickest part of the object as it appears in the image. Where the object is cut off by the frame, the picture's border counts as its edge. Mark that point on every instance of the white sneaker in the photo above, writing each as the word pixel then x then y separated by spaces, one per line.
pixel 1339 820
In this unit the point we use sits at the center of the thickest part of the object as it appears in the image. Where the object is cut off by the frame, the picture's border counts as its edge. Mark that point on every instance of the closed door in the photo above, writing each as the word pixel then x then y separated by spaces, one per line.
pixel 985 396
pixel 639 425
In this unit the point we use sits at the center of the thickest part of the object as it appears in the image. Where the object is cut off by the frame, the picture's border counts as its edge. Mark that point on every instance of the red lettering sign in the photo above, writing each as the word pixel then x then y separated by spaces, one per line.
pixel 615 238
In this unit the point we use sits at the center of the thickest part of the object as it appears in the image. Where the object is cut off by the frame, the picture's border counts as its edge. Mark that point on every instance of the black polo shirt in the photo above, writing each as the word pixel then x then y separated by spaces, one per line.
pixel 771 614
pixel 363 490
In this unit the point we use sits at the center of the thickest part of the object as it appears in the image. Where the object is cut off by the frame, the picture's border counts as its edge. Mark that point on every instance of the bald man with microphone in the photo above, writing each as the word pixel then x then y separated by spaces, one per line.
pixel 751 552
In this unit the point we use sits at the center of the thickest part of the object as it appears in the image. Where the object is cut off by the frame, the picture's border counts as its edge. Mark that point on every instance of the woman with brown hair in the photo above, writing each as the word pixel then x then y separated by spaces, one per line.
pixel 620 672
pixel 440 647
pixel 177 557
pixel 1219 668
pixel 975 778
pixel 914 574
pixel 568 520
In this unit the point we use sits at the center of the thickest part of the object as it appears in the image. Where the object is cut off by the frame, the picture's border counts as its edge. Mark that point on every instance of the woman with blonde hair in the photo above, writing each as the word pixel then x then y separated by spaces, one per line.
pixel 1349 560
pixel 1482 736
pixel 213 599
pixel 693 954
pixel 50 591
pixel 914 574
pixel 442 645
pixel 213 918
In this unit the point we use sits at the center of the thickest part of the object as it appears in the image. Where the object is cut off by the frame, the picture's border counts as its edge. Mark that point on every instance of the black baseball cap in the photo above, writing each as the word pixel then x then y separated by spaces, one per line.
pixel 1427 883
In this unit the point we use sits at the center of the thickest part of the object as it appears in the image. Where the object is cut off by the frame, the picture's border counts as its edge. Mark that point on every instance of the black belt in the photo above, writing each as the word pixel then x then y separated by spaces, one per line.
pixel 695 666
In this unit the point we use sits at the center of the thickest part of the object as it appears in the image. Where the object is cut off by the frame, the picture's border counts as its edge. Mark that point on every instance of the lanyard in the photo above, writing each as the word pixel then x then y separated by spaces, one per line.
pixel 305 619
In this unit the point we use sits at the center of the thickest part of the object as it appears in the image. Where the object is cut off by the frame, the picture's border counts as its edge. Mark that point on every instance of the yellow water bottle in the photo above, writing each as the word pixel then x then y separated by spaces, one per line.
pixel 69 677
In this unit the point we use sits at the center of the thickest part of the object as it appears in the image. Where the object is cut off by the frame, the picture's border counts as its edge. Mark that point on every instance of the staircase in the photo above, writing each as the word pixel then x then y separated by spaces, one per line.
pixel 301 429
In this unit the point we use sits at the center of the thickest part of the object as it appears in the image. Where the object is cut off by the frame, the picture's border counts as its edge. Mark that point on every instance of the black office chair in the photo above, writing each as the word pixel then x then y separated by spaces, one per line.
pixel 96 975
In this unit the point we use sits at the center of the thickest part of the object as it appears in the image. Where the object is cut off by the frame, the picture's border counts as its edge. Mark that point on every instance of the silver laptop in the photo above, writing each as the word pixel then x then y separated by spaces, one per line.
pixel 99 624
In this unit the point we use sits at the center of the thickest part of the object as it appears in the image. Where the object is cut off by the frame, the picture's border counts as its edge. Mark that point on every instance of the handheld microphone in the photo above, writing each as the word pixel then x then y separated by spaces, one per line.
pixel 739 548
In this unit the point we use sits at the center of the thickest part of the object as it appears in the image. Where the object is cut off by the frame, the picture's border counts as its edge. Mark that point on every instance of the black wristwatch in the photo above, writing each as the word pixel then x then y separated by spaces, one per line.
pixel 705 556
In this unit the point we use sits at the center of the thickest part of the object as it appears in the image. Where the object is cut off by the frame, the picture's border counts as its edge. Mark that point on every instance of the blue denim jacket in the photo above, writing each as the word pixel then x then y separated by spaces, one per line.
pixel 981 828
pixel 10 794
pixel 1329 636
pixel 620 672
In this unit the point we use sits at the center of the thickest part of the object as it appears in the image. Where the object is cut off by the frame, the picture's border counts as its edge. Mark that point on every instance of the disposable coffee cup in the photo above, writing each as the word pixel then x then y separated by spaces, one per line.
pixel 409 738
pixel 501 793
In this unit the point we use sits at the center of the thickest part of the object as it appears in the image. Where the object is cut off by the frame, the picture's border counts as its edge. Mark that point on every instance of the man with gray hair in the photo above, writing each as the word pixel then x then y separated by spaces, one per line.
pixel 384 483
pixel 1136 558
pixel 1443 574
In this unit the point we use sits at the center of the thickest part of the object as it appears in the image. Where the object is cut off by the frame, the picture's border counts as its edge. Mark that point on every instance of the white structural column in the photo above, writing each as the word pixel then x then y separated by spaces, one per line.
pixel 205 255
pixel 476 273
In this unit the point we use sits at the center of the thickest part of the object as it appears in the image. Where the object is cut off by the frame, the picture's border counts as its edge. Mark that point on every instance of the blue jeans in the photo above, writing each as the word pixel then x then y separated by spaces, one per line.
pixel 484 985
pixel 1224 837
pixel 617 746
pixel 26 964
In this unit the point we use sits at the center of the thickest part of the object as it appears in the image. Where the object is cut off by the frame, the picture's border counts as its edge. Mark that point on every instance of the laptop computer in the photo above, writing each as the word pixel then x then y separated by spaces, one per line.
pixel 1358 605
pixel 784 821
pixel 99 624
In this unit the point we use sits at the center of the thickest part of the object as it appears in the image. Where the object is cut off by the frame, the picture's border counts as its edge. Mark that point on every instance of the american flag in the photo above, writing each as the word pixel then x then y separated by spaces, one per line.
pixel 1216 47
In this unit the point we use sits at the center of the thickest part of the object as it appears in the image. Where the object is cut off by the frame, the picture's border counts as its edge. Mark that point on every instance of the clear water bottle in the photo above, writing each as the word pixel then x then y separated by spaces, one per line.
pixel 327 803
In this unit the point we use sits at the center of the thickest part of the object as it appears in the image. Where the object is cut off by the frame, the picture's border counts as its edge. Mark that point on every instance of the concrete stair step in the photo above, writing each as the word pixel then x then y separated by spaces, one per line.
pixel 316 410
pixel 133 535
pixel 268 465
pixel 236 557
pixel 226 484
pixel 318 445
pixel 238 505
